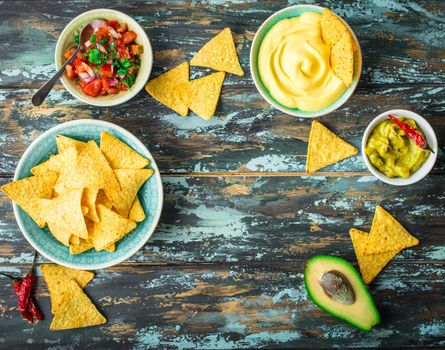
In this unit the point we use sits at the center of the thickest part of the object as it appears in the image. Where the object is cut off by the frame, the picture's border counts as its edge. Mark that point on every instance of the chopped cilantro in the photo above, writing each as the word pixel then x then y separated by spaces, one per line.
pixel 121 71
pixel 125 62
pixel 92 39
pixel 76 38
pixel 113 45
pixel 94 56
pixel 129 81
pixel 116 64
pixel 103 41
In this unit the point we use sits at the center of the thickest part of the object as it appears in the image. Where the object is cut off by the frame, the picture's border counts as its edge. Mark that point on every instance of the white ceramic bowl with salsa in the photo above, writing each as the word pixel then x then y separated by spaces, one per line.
pixel 292 12
pixel 429 135
pixel 66 42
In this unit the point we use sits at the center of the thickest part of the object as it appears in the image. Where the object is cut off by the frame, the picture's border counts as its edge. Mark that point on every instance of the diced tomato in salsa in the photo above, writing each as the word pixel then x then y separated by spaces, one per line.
pixel 112 24
pixel 128 37
pixel 69 71
pixel 93 88
pixel 106 71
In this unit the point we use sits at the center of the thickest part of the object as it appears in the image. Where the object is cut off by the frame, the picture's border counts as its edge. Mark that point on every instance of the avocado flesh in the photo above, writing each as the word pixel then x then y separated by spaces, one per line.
pixel 362 313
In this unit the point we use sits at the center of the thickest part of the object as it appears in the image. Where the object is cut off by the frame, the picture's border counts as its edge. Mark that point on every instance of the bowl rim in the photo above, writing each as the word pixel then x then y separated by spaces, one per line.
pixel 148 53
pixel 157 176
pixel 430 135
pixel 293 111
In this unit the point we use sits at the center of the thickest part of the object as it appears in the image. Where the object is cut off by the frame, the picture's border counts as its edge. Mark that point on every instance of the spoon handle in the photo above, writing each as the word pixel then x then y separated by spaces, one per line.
pixel 41 94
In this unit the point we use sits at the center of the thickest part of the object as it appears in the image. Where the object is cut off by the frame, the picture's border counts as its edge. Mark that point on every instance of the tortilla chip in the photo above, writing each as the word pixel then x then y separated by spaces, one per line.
pixel 165 89
pixel 57 277
pixel 27 192
pixel 85 210
pixel 89 200
pixel 219 54
pixel 76 310
pixel 110 248
pixel 81 247
pixel 64 143
pixel 103 199
pixel 204 94
pixel 342 59
pixel 137 211
pixel 74 240
pixel 325 148
pixel 110 229
pixel 332 28
pixel 370 265
pixel 119 154
pixel 60 233
pixel 130 181
pixel 387 234
pixel 65 213
pixel 92 170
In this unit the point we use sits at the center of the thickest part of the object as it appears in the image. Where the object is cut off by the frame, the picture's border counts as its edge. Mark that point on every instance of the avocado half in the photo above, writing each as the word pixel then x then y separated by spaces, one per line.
pixel 336 287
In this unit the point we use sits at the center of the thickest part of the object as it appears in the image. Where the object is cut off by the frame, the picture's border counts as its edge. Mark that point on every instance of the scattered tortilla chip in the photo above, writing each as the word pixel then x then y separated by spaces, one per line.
pixel 387 234
pixel 110 248
pixel 27 192
pixel 325 148
pixel 204 95
pixel 89 200
pixel 119 154
pixel 370 265
pixel 110 228
pixel 219 54
pixel 103 199
pixel 65 213
pixel 64 143
pixel 342 59
pixel 81 247
pixel 75 310
pixel 165 89
pixel 74 240
pixel 332 28
pixel 56 278
pixel 137 211
pixel 92 170
pixel 130 181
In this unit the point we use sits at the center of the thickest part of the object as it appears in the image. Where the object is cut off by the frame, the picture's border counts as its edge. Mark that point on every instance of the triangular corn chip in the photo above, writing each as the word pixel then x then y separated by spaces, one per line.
pixel 119 154
pixel 110 229
pixel 219 54
pixel 64 143
pixel 370 265
pixel 89 200
pixel 332 28
pixel 342 59
pixel 75 310
pixel 56 278
pixel 65 213
pixel 74 240
pixel 92 170
pixel 130 181
pixel 27 192
pixel 103 199
pixel 387 234
pixel 60 233
pixel 110 248
pixel 81 247
pixel 325 148
pixel 166 88
pixel 137 211
pixel 204 94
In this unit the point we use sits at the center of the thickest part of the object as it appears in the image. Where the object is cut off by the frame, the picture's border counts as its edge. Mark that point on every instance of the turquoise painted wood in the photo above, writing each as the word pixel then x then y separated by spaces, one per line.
pixel 225 267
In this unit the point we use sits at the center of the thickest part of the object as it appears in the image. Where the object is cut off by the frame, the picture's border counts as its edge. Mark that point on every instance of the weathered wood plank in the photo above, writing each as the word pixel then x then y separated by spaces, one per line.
pixel 401 42
pixel 263 219
pixel 246 135
pixel 233 306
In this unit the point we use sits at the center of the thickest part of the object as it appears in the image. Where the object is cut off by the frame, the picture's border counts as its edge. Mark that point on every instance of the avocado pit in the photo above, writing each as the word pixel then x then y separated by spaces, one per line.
pixel 337 287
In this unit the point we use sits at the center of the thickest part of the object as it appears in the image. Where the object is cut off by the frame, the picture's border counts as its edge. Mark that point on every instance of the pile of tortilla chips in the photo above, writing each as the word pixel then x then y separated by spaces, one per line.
pixel 325 148
pixel 87 195
pixel 337 36
pixel 70 306
pixel 176 91
pixel 376 249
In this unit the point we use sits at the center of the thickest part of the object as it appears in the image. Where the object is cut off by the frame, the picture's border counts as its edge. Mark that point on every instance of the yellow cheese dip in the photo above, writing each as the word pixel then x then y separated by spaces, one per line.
pixel 293 63
pixel 392 152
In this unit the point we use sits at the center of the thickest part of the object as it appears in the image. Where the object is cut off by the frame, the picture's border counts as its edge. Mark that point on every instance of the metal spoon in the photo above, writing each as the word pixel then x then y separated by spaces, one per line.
pixel 41 94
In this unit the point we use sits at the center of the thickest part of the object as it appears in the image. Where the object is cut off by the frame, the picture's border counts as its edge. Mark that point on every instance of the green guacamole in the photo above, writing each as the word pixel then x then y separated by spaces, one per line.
pixel 391 151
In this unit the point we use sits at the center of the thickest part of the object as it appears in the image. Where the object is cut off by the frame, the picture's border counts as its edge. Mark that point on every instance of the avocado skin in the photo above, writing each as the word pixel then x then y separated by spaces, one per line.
pixel 347 265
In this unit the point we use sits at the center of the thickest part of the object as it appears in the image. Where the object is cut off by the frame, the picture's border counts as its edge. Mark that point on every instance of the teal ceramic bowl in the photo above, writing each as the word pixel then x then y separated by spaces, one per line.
pixel 150 195
pixel 289 12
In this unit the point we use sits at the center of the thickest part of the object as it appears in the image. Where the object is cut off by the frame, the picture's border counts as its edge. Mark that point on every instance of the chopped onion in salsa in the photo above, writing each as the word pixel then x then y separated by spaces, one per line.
pixel 108 62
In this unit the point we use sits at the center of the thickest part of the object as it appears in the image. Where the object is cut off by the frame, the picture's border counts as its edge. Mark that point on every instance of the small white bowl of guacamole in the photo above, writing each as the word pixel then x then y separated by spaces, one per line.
pixel 291 67
pixel 389 153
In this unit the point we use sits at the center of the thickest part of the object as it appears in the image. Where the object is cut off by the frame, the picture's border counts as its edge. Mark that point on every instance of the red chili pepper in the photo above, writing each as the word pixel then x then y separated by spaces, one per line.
pixel 23 289
pixel 412 133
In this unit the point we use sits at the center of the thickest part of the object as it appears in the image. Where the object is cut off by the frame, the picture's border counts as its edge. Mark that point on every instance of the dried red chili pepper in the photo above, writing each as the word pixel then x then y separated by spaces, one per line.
pixel 412 133
pixel 23 289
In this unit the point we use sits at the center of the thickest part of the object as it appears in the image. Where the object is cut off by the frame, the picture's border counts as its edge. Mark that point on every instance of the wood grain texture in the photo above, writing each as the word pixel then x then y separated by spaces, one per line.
pixel 233 306
pixel 246 135
pixel 402 41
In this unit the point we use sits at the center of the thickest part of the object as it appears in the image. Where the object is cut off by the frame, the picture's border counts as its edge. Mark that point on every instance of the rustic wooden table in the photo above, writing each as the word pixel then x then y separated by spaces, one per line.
pixel 224 269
